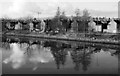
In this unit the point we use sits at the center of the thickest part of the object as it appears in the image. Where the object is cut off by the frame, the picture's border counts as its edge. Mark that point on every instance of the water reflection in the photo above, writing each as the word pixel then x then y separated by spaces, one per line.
pixel 17 56
pixel 40 54
pixel 81 56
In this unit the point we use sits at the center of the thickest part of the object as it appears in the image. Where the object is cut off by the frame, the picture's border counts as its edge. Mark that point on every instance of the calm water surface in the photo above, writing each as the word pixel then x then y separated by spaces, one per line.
pixel 37 56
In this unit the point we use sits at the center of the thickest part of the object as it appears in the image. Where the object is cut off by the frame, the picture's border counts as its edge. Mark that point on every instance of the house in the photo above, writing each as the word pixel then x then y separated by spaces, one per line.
pixel 112 27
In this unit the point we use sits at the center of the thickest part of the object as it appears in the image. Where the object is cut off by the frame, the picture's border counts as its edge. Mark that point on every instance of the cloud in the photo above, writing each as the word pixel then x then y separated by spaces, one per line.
pixel 21 8
pixel 17 57
pixel 105 14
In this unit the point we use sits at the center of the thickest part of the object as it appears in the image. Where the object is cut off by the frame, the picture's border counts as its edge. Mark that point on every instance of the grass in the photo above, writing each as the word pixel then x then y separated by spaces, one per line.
pixel 105 37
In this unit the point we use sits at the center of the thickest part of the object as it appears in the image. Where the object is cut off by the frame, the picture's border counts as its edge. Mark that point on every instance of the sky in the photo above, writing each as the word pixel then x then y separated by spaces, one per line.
pixel 22 8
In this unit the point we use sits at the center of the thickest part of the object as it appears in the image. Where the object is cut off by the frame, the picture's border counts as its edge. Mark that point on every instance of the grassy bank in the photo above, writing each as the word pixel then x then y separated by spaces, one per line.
pixel 106 38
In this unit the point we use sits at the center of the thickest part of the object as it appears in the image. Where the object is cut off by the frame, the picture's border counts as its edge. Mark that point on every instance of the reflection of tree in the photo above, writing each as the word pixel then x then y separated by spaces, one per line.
pixel 12 40
pixel 31 43
pixel 59 54
pixel 81 55
pixel 97 49
pixel 85 60
pixel 76 59
pixel 4 39
pixel 60 57
pixel 116 53
pixel 5 45
pixel 24 40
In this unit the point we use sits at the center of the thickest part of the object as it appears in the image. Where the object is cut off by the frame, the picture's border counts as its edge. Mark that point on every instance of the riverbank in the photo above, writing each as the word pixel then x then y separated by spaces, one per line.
pixel 81 37
pixel 37 41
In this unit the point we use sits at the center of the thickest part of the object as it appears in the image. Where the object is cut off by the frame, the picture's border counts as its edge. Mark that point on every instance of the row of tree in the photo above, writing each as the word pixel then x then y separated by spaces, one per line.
pixel 86 14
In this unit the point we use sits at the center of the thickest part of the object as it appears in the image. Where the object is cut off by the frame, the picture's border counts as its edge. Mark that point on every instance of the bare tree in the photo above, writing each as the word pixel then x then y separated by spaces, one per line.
pixel 58 12
pixel 63 13
pixel 86 13
pixel 77 12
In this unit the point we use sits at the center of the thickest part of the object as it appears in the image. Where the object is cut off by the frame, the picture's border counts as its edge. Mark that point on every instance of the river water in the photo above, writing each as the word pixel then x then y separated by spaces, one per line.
pixel 42 56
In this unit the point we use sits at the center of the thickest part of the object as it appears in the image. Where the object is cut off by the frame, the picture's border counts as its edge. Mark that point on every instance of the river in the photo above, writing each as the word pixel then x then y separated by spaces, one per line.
pixel 41 56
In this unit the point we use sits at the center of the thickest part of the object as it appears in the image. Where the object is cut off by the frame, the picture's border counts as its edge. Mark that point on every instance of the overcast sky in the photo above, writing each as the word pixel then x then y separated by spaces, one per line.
pixel 20 8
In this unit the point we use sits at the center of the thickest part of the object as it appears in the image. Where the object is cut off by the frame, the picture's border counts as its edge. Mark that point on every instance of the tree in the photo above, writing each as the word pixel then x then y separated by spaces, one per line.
pixel 58 12
pixel 29 17
pixel 77 12
pixel 63 13
pixel 86 13
pixel 85 19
